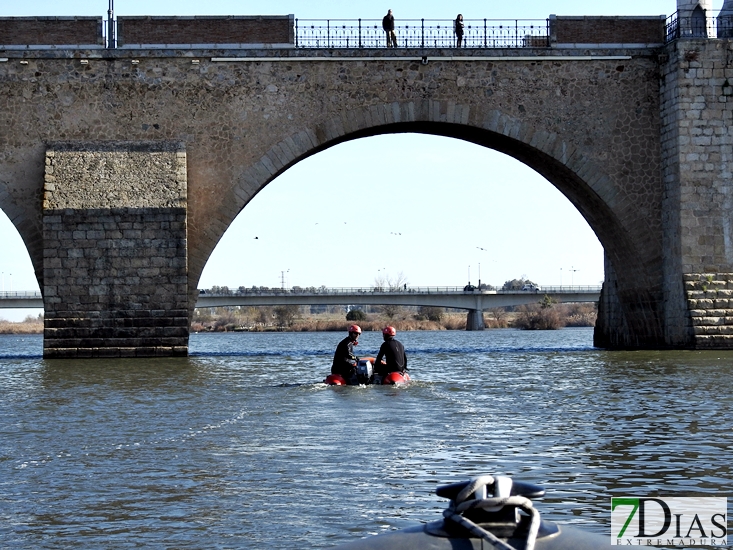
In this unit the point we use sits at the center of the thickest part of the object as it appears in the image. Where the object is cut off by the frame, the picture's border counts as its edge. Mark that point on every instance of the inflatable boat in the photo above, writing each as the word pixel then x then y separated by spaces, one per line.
pixel 483 513
pixel 365 375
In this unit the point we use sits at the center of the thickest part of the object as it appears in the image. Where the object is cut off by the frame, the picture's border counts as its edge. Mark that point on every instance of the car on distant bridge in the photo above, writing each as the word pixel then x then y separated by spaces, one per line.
pixel 531 287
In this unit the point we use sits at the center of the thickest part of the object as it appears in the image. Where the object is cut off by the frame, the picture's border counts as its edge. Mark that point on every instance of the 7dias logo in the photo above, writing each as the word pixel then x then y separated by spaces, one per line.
pixel 679 521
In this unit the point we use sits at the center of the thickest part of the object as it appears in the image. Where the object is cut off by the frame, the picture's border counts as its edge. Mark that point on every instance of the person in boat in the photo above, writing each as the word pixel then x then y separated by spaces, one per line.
pixel 344 360
pixel 393 353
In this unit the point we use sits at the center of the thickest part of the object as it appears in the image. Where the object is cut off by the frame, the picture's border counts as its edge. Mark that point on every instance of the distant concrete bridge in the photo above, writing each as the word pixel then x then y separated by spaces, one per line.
pixel 475 301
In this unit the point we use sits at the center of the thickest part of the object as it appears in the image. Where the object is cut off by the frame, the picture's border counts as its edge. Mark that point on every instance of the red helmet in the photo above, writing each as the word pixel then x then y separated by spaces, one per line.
pixel 355 328
pixel 389 331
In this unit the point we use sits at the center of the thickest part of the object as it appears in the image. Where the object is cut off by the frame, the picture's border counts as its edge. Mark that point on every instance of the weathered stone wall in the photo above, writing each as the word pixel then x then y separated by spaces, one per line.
pixel 697 140
pixel 607 30
pixel 50 31
pixel 115 259
pixel 197 30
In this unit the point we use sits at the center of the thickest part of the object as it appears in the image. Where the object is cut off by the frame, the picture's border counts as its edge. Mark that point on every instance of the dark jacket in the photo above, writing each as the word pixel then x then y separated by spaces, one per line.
pixel 459 27
pixel 388 23
pixel 394 354
pixel 344 354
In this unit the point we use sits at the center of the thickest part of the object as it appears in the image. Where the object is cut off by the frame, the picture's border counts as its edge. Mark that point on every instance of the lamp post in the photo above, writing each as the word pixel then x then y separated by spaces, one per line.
pixel 282 278
pixel 572 275
pixel 111 25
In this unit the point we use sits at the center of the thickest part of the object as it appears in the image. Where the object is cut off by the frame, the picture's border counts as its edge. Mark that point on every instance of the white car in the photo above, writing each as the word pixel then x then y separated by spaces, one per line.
pixel 531 288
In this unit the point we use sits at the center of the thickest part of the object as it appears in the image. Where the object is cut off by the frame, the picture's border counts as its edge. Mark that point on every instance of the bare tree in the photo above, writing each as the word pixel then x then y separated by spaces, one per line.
pixel 500 316
pixel 285 315
pixel 389 283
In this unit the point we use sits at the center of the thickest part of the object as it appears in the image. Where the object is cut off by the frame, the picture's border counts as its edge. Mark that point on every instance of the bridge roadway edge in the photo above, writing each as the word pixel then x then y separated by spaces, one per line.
pixel 645 237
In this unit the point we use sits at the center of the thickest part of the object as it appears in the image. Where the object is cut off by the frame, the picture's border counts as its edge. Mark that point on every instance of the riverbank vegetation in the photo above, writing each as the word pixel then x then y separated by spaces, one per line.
pixel 544 315
pixel 29 325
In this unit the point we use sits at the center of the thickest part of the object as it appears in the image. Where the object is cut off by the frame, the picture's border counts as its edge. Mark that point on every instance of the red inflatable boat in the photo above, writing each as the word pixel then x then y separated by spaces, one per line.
pixel 365 375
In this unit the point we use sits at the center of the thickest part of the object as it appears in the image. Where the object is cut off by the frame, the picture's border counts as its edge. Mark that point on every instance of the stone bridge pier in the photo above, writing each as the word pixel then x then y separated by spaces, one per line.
pixel 114 250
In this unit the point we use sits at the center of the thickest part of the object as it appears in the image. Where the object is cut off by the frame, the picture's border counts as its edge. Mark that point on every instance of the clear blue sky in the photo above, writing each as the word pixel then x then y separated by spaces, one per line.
pixel 329 228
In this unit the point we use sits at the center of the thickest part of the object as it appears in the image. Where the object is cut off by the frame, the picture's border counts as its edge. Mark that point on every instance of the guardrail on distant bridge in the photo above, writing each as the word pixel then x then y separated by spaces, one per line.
pixel 324 291
pixel 467 297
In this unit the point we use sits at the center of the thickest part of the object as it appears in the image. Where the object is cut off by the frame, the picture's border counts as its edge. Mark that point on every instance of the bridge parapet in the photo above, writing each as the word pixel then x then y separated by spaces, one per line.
pixel 286 31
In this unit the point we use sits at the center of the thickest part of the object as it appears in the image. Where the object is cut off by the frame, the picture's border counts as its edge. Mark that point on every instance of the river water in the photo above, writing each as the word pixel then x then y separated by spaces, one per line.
pixel 240 446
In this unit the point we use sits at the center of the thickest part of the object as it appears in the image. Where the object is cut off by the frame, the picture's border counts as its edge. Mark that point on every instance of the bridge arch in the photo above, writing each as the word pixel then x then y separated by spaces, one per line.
pixel 580 177
pixel 591 121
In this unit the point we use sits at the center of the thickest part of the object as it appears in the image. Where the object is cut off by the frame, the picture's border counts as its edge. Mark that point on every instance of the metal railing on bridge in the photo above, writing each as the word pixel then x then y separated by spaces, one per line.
pixel 422 33
pixel 698 26
pixel 20 294
pixel 324 291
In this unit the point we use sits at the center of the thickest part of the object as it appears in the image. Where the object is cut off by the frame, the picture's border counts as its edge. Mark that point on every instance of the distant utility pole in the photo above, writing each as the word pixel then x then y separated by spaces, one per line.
pixel 282 278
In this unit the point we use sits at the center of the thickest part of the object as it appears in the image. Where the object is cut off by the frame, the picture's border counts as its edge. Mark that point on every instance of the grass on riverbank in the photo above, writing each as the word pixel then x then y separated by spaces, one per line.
pixel 263 320
pixel 226 320
pixel 30 325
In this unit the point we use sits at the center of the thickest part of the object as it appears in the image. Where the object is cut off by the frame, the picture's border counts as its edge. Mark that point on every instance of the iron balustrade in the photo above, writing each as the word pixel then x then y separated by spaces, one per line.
pixel 698 26
pixel 422 33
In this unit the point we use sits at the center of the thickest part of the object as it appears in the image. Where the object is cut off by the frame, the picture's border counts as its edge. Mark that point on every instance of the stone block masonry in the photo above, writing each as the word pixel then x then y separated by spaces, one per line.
pixel 710 305
pixel 115 250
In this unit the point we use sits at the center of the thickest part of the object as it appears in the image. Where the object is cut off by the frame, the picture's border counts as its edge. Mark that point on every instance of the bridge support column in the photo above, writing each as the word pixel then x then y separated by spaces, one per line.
pixel 475 320
pixel 115 250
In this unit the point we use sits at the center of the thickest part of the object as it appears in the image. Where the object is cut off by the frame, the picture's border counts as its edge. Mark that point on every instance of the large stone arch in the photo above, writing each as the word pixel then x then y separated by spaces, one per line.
pixel 589 122
pixel 633 276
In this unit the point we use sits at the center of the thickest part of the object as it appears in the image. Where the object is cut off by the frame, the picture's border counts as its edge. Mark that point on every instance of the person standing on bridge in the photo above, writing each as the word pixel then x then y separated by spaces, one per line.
pixel 388 26
pixel 393 353
pixel 344 360
pixel 458 29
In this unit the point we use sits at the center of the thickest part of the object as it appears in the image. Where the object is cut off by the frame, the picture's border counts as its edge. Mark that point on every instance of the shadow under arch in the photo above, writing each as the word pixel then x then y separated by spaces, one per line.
pixel 630 273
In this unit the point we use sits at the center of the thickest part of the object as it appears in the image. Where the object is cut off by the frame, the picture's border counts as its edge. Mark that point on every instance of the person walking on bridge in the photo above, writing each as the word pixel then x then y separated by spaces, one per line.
pixel 344 360
pixel 388 26
pixel 393 353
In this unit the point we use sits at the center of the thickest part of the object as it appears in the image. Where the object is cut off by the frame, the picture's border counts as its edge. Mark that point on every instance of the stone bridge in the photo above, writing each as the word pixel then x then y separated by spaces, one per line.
pixel 122 168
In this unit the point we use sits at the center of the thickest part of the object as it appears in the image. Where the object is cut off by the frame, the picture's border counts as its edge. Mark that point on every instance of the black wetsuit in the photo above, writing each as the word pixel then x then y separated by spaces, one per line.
pixel 394 354
pixel 344 354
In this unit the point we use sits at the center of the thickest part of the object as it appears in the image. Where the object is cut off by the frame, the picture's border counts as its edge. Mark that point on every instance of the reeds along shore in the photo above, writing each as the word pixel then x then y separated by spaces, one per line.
pixel 28 326
pixel 532 317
